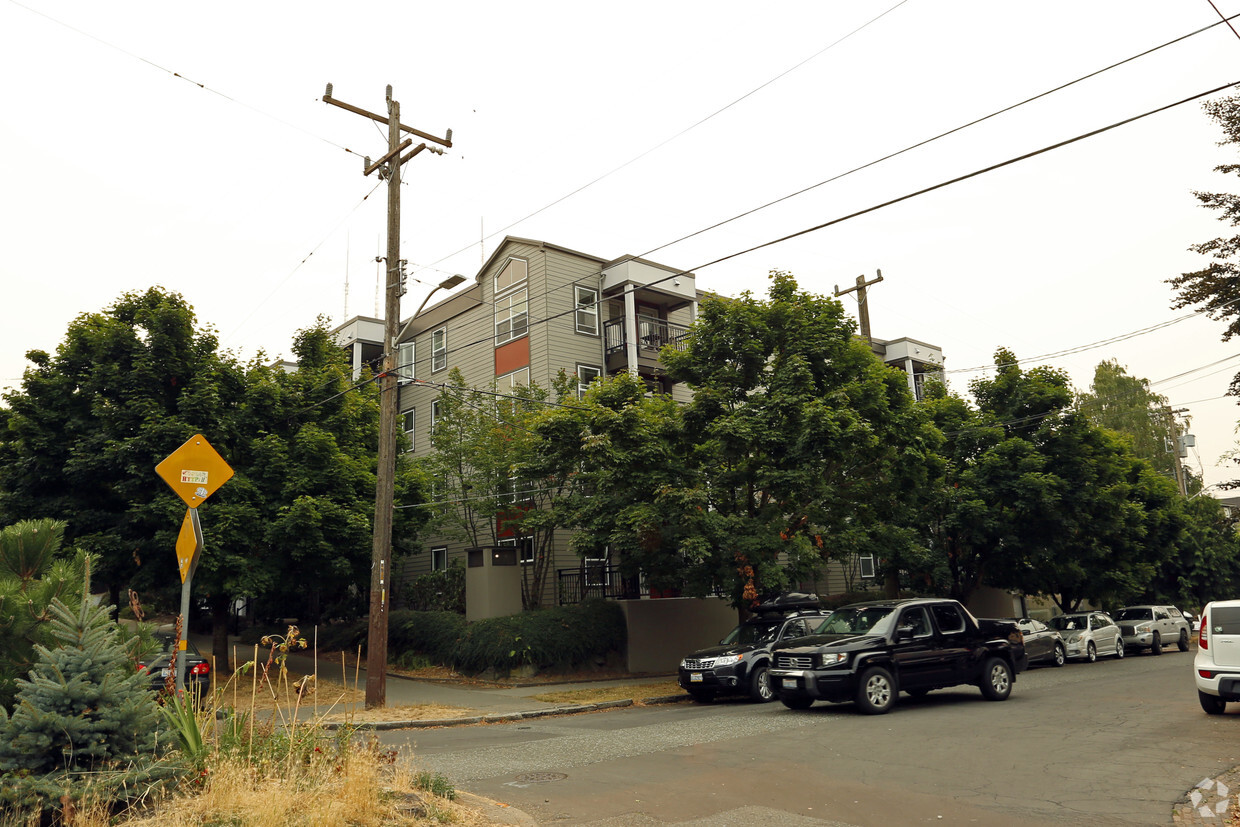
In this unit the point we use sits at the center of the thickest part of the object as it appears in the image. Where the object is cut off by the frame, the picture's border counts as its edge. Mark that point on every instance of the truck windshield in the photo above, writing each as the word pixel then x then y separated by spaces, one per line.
pixel 856 620
pixel 1135 614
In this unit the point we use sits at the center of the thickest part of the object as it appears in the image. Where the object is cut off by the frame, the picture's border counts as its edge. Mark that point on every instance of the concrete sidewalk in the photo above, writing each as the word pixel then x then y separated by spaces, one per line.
pixel 491 703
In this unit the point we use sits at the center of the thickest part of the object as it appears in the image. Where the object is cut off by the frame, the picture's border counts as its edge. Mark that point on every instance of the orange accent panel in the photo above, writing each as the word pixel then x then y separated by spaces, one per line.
pixel 512 356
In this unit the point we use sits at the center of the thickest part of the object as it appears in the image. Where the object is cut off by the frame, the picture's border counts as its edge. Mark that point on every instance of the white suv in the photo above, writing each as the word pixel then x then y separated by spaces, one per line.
pixel 1217 665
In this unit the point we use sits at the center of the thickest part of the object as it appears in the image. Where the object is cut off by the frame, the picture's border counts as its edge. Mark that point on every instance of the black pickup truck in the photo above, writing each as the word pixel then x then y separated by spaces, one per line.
pixel 869 652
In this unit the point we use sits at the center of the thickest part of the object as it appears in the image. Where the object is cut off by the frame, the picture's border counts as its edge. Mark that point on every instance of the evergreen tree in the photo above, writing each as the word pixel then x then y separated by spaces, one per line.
pixel 86 721
pixel 31 575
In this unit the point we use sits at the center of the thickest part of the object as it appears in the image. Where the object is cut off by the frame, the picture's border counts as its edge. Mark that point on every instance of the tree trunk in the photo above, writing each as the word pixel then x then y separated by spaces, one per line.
pixel 219 632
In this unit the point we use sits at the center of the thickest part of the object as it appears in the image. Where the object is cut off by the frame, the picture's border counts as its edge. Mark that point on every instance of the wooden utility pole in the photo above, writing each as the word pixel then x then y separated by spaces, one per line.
pixel 891 583
pixel 385 476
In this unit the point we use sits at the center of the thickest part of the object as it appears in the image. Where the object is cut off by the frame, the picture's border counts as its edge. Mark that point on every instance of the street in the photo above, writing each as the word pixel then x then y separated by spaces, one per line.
pixel 1110 743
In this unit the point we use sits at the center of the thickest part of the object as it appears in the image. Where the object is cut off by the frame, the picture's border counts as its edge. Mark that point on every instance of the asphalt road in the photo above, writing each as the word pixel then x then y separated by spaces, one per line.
pixel 1110 743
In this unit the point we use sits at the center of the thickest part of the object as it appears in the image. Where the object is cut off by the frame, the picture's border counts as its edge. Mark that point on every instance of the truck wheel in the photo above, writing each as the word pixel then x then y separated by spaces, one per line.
pixel 1183 642
pixel 1212 704
pixel 760 685
pixel 796 701
pixel 996 680
pixel 1061 656
pixel 1156 646
pixel 876 691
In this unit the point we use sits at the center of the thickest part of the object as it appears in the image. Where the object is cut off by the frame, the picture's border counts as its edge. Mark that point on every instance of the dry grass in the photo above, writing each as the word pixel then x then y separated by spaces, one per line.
pixel 602 694
pixel 357 787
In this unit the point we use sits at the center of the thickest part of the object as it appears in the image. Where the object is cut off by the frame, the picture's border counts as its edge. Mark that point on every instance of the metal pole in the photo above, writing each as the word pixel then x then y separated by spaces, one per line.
pixel 186 587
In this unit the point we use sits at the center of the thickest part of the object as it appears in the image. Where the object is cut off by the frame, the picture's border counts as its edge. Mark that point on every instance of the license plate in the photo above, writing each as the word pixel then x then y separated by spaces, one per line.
pixel 790 683
pixel 695 677
pixel 165 672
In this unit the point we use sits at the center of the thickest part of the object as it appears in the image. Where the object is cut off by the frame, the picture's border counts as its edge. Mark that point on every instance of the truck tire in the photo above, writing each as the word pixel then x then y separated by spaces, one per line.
pixel 876 691
pixel 996 680
pixel 1183 641
pixel 1156 646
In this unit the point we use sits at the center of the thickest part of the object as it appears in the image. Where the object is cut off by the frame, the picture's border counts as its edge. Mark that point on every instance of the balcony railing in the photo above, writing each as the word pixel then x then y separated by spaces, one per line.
pixel 652 334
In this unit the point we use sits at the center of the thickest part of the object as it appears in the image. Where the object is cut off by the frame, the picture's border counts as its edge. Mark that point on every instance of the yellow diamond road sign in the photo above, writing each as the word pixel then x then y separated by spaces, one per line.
pixel 194 471
pixel 187 544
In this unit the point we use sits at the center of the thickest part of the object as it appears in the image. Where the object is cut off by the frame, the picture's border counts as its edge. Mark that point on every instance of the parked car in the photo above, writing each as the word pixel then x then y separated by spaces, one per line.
pixel 1149 627
pixel 1089 634
pixel 1216 667
pixel 869 652
pixel 1042 643
pixel 739 664
pixel 158 665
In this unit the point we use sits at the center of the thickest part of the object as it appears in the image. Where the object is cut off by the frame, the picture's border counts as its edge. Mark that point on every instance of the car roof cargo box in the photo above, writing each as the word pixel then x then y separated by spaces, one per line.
pixel 788 602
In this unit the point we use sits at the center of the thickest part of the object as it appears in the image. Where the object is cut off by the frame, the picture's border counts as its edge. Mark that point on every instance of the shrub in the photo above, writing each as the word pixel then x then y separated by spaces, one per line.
pixel 564 637
pixel 437 591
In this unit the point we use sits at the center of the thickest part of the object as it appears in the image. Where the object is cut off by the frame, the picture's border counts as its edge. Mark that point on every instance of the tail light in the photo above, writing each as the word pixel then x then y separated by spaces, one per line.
pixel 200 669
pixel 1201 633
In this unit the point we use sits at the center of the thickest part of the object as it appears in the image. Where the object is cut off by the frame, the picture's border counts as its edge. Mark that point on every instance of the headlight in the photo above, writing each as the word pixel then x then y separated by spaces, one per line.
pixel 1142 628
pixel 834 659
pixel 1074 637
pixel 728 660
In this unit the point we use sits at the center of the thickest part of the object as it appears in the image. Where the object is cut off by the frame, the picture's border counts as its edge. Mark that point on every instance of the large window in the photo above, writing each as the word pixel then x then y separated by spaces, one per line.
pixel 525 548
pixel 585 375
pixel 513 273
pixel 511 317
pixel 439 349
pixel 587 310
pixel 509 382
pixel 404 362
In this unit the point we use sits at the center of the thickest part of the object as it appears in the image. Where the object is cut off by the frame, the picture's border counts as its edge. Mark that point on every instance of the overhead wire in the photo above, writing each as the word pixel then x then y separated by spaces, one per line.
pixel 909 148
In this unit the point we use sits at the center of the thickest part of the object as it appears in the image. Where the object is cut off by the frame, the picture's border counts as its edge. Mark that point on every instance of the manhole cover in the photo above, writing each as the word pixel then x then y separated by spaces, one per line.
pixel 529 777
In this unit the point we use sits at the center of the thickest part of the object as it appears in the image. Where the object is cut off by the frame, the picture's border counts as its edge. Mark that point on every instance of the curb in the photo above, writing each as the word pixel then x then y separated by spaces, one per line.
pixel 495 812
pixel 504 717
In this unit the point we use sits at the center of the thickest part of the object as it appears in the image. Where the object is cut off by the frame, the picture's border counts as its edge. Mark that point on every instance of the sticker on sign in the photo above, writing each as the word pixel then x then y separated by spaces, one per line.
pixel 194 477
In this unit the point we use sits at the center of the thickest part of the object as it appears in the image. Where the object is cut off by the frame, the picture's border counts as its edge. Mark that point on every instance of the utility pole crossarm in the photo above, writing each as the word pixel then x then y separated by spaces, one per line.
pixel 374 116
pixel 372 167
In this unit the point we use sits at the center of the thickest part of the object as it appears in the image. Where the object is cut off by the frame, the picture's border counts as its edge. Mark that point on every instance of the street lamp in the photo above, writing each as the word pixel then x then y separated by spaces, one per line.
pixel 446 284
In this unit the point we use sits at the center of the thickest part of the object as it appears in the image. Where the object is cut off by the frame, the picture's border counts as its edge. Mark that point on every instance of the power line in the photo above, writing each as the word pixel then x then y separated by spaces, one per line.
pixel 909 148
pixel 667 141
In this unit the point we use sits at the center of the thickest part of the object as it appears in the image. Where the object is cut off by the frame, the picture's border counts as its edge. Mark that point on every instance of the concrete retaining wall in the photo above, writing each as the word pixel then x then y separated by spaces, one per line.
pixel 663 631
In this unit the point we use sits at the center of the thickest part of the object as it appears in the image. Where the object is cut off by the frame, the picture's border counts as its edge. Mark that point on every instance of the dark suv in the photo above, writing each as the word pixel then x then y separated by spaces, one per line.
pixel 738 665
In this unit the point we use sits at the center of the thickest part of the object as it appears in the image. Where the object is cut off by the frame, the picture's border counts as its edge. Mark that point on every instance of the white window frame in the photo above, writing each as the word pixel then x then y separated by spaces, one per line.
pixel 866 562
pixel 439 558
pixel 597 564
pixel 509 382
pixel 439 349
pixel 409 421
pixel 512 317
pixel 585 318
pixel 508 275
pixel 582 381
pixel 405 365
pixel 435 414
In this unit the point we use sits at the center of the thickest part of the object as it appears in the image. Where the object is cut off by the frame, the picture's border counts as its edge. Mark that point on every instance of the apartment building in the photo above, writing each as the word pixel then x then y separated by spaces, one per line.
pixel 535 309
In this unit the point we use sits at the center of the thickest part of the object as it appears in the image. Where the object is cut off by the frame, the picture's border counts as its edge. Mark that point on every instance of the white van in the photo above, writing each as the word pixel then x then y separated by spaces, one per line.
pixel 1217 665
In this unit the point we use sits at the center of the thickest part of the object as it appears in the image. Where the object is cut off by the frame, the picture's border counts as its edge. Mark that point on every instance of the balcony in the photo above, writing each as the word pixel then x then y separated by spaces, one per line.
pixel 652 335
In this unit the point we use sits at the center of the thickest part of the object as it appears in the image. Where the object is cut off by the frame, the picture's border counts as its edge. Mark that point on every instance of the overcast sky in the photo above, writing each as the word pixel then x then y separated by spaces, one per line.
pixel 186 145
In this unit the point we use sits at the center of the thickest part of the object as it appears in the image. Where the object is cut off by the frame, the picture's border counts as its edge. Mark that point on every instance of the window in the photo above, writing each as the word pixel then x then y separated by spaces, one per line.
pixel 511 381
pixel 587 310
pixel 511 317
pixel 404 362
pixel 407 420
pixel 439 349
pixel 439 559
pixel 597 575
pixel 436 413
pixel 916 617
pixel 949 618
pixel 514 272
pixel 865 562
pixel 585 375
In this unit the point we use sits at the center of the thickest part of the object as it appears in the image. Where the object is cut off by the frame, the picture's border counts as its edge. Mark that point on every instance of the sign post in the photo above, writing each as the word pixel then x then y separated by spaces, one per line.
pixel 194 472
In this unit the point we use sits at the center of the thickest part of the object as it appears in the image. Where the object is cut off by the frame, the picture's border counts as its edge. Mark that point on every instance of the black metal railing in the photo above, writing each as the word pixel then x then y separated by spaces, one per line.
pixel 575 585
pixel 652 334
